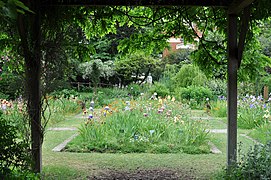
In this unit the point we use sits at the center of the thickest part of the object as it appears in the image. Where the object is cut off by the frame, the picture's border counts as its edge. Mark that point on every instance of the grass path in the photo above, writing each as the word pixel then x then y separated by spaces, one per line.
pixel 66 165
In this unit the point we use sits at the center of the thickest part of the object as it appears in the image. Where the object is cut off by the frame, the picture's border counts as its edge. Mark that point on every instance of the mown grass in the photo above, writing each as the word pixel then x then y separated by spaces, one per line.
pixel 262 133
pixel 65 165
pixel 68 165
pixel 71 121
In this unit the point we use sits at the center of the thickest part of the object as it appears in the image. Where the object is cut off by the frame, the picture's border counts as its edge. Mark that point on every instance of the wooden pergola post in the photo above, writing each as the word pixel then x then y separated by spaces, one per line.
pixel 232 88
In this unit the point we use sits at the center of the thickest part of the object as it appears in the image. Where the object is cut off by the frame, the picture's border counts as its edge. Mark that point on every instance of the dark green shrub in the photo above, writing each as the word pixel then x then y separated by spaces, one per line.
pixel 18 174
pixel 14 150
pixel 255 164
pixel 3 95
pixel 218 87
pixel 11 85
pixel 197 93
pixel 189 75
pixel 160 89
pixel 135 90
pixel 179 57
pixel 87 89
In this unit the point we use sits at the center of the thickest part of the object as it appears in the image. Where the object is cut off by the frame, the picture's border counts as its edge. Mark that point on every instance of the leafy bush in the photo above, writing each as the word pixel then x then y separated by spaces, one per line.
pixel 15 152
pixel 245 88
pixel 3 95
pixel 218 87
pixel 19 174
pixel 136 63
pixel 160 89
pixel 189 75
pixel 11 85
pixel 253 165
pixel 135 90
pixel 197 93
pixel 87 89
pixel 179 57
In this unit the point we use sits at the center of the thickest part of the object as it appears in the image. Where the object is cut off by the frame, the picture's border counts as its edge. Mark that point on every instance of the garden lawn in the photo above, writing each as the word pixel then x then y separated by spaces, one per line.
pixel 68 165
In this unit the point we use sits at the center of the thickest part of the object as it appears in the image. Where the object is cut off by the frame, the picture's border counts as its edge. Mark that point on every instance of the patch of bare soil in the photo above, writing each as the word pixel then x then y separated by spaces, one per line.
pixel 155 174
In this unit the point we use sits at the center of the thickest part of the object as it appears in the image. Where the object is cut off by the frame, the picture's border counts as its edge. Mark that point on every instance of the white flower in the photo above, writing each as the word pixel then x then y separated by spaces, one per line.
pixel 266 116
pixel 127 108
pixel 106 108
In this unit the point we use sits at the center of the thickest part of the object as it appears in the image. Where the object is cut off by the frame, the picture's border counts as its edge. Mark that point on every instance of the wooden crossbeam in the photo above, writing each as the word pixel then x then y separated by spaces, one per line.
pixel 239 5
pixel 218 3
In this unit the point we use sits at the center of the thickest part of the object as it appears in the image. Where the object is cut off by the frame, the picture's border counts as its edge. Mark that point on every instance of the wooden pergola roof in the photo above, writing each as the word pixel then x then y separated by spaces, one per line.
pixel 234 6
pixel 220 3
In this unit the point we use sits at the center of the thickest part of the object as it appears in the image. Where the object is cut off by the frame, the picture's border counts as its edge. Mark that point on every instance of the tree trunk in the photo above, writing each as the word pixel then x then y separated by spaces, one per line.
pixel 29 28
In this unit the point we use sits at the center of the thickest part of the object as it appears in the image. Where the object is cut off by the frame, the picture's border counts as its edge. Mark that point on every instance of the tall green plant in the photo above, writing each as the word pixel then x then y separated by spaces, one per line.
pixel 253 165
pixel 14 140
pixel 189 75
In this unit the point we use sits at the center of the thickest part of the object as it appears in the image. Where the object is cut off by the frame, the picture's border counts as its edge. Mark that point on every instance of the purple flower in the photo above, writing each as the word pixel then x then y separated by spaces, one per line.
pixel 259 98
pixel 252 106
pixel 90 116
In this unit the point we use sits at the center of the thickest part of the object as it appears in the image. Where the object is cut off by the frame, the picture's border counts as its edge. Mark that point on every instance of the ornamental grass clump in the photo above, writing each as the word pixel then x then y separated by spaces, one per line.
pixel 252 112
pixel 219 107
pixel 154 126
pixel 56 109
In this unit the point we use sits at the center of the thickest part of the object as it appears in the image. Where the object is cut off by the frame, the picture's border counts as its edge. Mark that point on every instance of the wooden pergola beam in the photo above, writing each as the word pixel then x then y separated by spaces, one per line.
pixel 239 5
pixel 217 3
